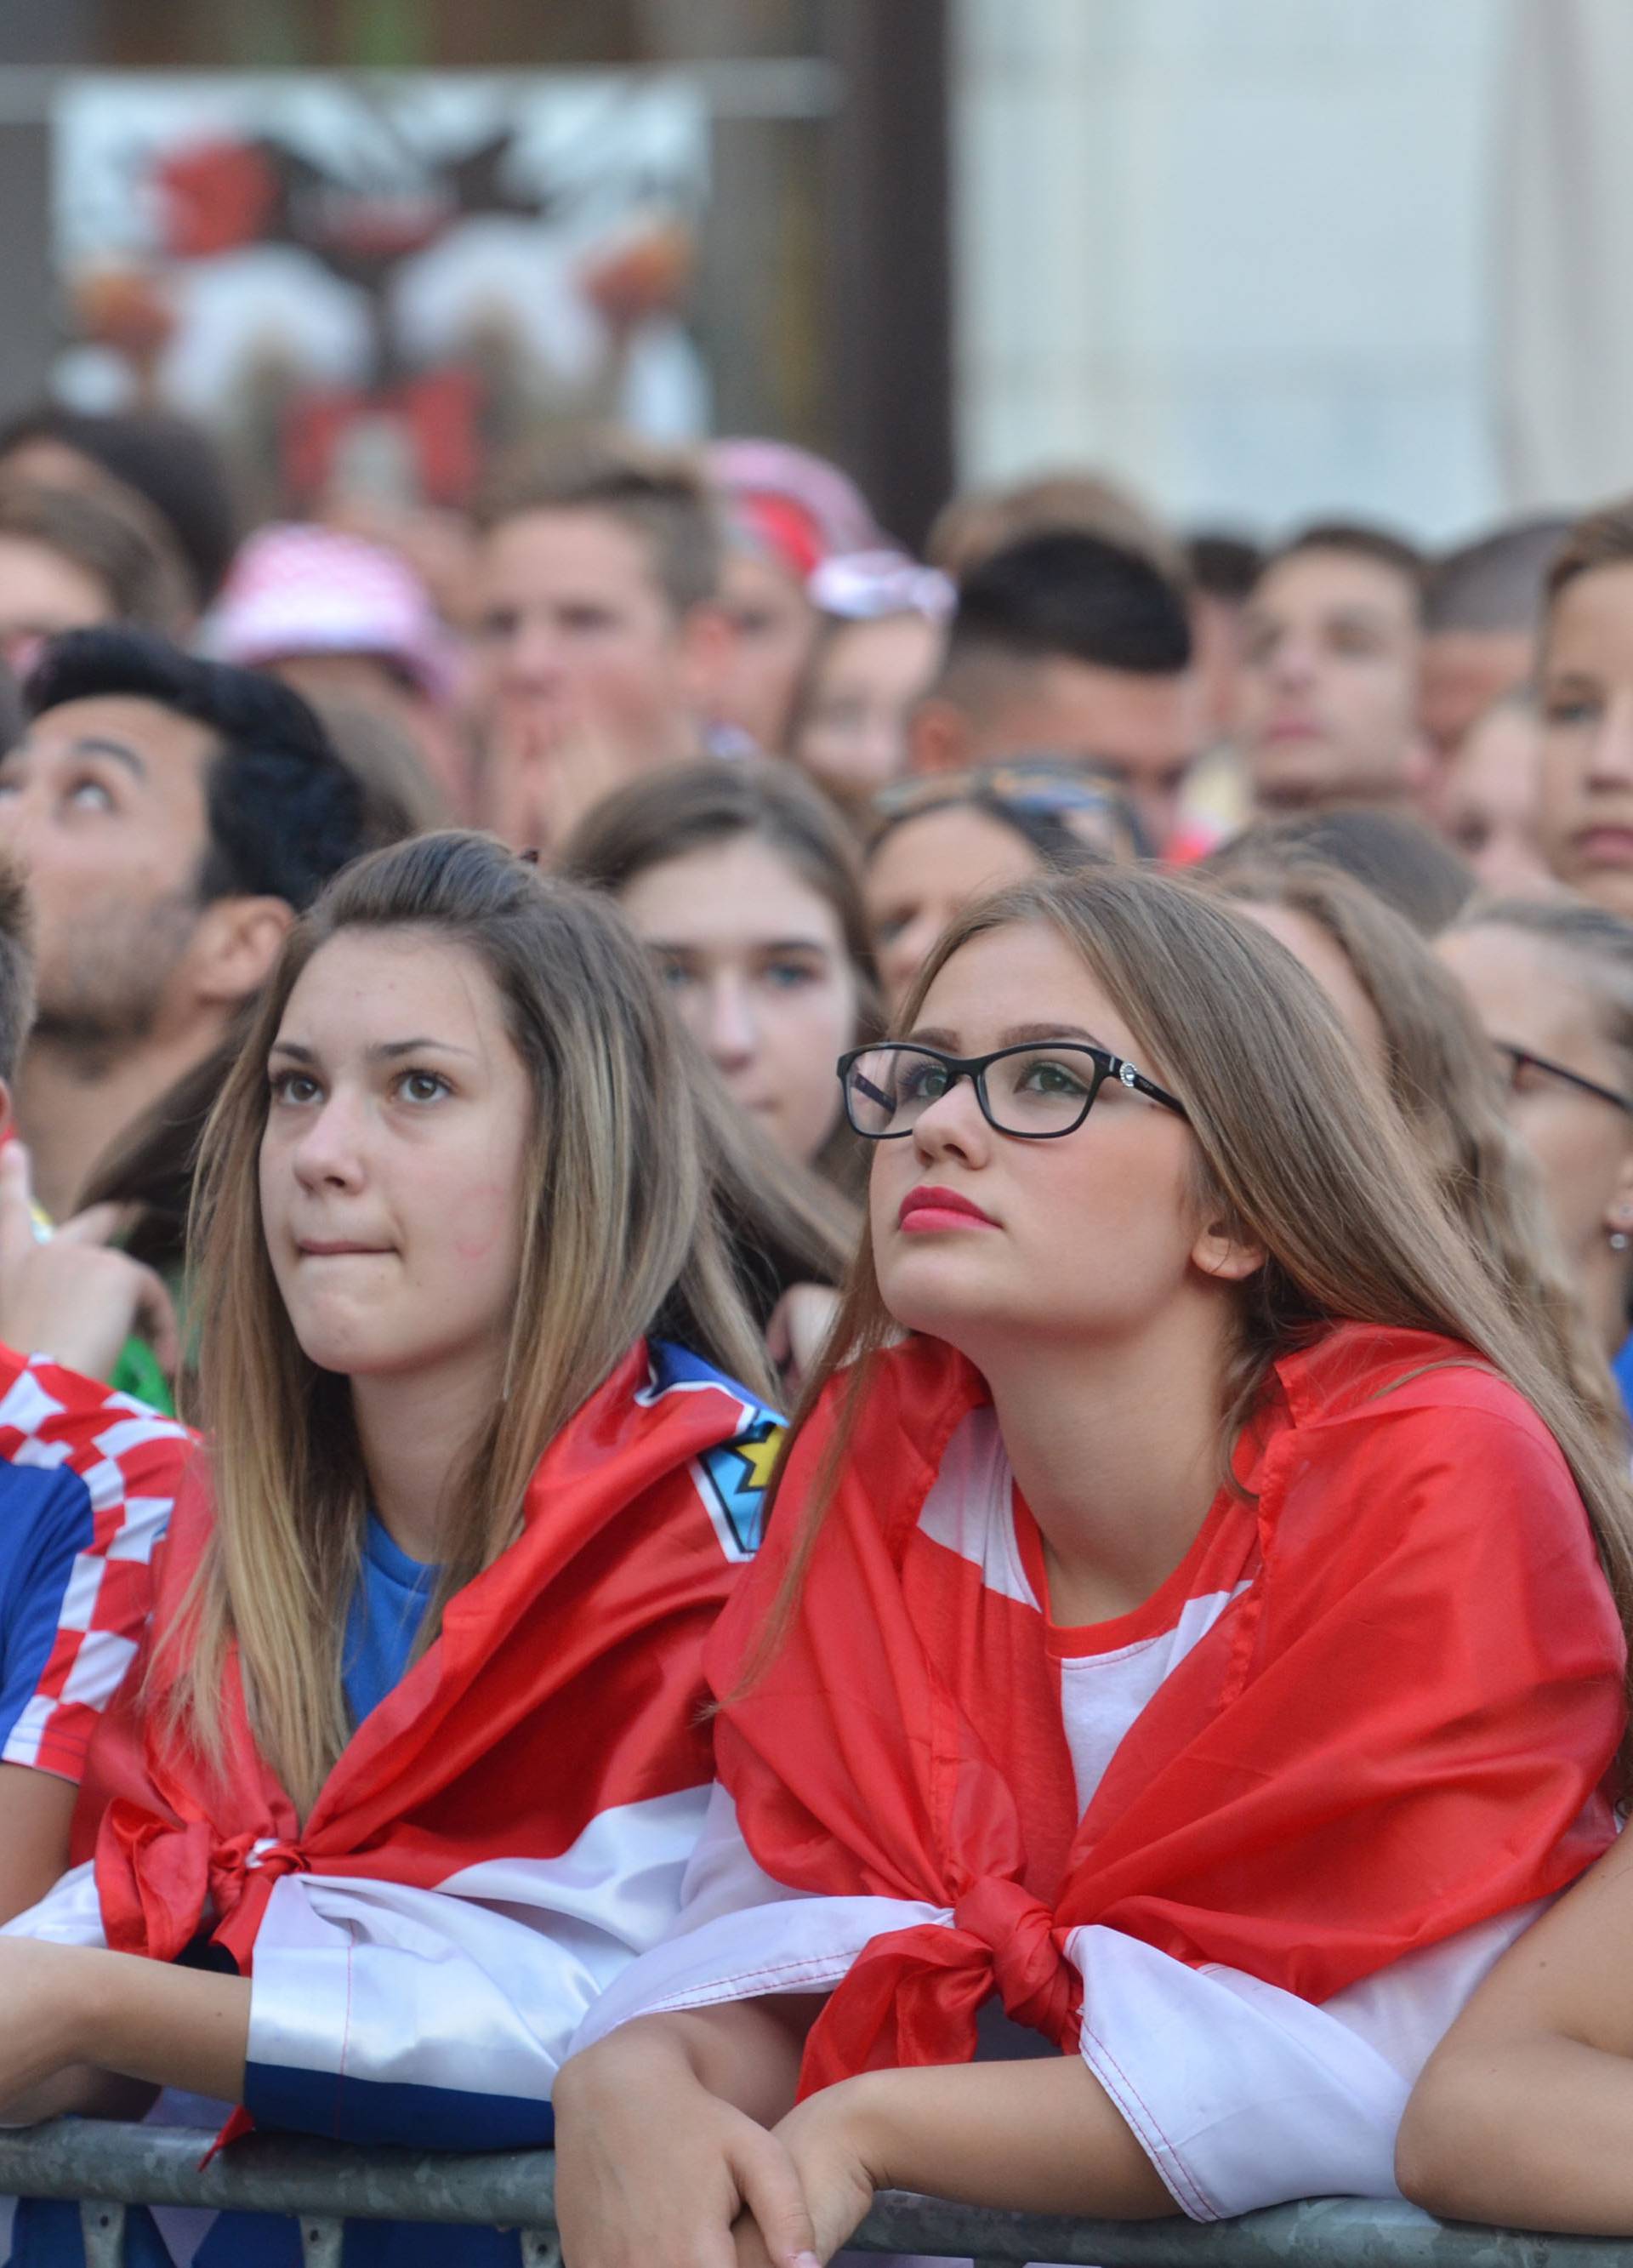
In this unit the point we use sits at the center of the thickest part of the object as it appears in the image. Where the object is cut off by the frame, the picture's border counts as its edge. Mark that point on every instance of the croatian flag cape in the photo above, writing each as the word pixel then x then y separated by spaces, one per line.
pixel 1396 1729
pixel 504 1832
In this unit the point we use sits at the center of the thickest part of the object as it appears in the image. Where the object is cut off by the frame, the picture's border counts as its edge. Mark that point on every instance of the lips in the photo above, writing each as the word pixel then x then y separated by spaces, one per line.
pixel 1605 846
pixel 337 1248
pixel 929 1207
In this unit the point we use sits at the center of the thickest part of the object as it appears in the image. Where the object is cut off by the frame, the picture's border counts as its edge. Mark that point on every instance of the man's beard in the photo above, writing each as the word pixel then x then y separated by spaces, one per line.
pixel 103 985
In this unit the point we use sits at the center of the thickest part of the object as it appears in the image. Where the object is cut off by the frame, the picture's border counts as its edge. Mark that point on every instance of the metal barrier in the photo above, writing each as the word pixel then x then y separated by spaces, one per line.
pixel 108 2167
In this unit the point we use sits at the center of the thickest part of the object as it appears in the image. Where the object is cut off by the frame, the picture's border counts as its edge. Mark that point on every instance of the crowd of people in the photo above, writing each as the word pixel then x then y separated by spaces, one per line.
pixel 814 1365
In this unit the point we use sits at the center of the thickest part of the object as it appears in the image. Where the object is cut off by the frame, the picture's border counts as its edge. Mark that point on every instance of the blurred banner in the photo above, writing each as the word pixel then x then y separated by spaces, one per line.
pixel 372 281
pixel 1565 255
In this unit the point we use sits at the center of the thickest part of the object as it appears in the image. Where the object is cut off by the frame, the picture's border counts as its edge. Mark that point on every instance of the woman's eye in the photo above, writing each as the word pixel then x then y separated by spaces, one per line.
pixel 924 1083
pixel 1051 1078
pixel 295 1087
pixel 89 795
pixel 422 1086
pixel 787 975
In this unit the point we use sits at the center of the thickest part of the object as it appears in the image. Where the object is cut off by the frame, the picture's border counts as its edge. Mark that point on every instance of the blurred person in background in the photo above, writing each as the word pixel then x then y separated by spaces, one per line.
pixel 883 627
pixel 744 884
pixel 1068 500
pixel 1332 656
pixel 601 634
pixel 1395 857
pixel 1066 645
pixel 1490 799
pixel 172 816
pixel 1586 690
pixel 785 511
pixel 162 465
pixel 942 842
pixel 1222 570
pixel 1482 607
pixel 1552 984
pixel 339 618
pixel 1415 1027
pixel 71 559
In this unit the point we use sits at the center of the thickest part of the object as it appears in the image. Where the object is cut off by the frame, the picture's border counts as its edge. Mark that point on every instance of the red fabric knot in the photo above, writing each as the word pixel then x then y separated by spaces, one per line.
pixel 1036 1981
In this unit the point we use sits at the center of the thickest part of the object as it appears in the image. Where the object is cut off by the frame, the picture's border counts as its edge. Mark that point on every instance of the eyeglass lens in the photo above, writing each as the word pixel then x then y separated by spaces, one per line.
pixel 1040 1091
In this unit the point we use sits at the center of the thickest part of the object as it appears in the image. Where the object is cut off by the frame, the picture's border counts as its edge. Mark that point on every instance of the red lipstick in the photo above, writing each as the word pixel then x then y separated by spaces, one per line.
pixel 928 1207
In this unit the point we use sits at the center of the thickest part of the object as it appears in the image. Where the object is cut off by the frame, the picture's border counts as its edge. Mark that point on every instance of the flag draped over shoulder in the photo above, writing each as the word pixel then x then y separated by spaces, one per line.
pixel 566 1681
pixel 1397 1729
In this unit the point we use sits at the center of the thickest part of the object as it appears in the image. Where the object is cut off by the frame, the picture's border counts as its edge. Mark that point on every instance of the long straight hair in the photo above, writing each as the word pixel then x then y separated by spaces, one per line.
pixel 620 1236
pixel 1295 1152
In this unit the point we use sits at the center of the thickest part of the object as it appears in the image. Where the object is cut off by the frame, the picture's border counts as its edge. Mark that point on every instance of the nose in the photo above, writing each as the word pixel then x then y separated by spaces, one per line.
pixel 1291 659
pixel 1610 752
pixel 330 1154
pixel 953 1126
pixel 730 1033
pixel 532 656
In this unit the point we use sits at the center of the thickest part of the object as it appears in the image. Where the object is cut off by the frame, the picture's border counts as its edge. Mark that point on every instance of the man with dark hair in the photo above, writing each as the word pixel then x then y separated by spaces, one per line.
pixel 1480 625
pixel 1327 708
pixel 173 816
pixel 600 629
pixel 1065 645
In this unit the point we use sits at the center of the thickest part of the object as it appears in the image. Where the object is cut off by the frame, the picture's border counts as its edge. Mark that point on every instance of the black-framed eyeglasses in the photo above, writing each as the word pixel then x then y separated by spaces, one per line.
pixel 1512 1061
pixel 1036 1091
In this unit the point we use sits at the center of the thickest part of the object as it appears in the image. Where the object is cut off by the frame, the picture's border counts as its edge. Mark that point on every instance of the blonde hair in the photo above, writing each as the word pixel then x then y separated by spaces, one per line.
pixel 621 1236
pixel 1437 1062
pixel 1296 1152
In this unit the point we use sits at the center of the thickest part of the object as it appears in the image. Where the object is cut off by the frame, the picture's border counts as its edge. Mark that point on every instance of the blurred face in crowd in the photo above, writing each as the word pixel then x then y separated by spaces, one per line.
pixel 1586 823
pixel 1328 710
pixel 578 645
pixel 755 962
pixel 1327 962
pixel 864 682
pixel 1464 673
pixel 1531 994
pixel 43 591
pixel 104 801
pixel 773 627
pixel 395 1157
pixel 1141 733
pixel 1033 1265
pixel 924 871
pixel 1491 802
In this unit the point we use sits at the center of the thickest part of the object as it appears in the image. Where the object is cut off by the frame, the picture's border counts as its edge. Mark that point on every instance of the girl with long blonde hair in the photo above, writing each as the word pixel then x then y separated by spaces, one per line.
pixel 1176 1671
pixel 416 1761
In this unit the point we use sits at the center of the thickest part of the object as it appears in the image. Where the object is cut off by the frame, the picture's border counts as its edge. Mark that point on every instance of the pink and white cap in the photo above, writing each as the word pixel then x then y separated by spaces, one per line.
pixel 295 589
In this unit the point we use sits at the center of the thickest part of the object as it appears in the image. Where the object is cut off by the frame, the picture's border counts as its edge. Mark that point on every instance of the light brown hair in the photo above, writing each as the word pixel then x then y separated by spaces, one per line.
pixel 1296 1152
pixel 125 550
pixel 1601 538
pixel 659 496
pixel 622 1237
pixel 17 965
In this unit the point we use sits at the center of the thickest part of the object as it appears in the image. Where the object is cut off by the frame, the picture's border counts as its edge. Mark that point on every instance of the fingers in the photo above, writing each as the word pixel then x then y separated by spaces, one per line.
pixel 98 1224
pixel 769 2187
pixel 17 1203
pixel 156 1319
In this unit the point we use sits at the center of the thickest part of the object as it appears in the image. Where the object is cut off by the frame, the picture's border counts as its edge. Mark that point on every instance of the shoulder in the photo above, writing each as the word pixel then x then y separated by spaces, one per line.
pixel 1362 1378
pixel 50 1416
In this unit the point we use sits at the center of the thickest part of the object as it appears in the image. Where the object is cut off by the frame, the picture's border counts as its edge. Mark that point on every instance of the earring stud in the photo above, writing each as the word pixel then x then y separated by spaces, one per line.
pixel 1619 1240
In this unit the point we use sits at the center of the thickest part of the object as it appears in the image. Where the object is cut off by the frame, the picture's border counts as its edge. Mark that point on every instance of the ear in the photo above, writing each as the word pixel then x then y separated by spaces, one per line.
pixel 939 736
pixel 1225 1254
pixel 234 947
pixel 1619 1212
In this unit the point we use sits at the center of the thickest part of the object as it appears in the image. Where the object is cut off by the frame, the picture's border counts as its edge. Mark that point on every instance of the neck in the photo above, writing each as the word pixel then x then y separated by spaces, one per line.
pixel 1116 1448
pixel 72 1103
pixel 416 1431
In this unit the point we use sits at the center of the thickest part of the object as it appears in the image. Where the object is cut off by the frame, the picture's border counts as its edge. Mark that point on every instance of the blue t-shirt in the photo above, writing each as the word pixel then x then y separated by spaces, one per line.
pixel 387 1608
pixel 1621 1370
pixel 46 1521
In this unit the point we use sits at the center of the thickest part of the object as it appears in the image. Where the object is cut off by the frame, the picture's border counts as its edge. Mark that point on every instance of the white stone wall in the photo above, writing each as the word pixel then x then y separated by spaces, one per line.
pixel 1235 249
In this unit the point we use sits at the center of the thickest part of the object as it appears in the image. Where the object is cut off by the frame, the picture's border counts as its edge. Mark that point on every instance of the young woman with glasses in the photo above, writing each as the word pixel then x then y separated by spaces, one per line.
pixel 1552 983
pixel 1178 1667
pixel 416 1760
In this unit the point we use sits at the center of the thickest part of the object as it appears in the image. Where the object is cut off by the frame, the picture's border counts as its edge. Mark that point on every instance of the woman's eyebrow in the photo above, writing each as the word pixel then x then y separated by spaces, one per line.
pixel 1018 1034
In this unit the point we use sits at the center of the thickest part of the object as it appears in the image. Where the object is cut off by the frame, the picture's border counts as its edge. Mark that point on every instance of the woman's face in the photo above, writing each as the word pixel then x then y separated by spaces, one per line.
pixel 1585 826
pixel 1533 996
pixel 774 627
pixel 1092 1236
pixel 755 962
pixel 854 737
pixel 925 871
pixel 395 1162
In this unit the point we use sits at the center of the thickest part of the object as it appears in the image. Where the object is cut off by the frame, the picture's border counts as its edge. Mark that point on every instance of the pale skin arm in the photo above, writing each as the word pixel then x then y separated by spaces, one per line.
pixel 1524 2114
pixel 653 2163
pixel 36 1811
pixel 94 2031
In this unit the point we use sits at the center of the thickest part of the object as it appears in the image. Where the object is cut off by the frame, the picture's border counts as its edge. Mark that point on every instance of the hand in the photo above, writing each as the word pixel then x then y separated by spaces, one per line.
pixel 543 777
pixel 798 1331
pixel 42 2049
pixel 831 2139
pixel 73 1297
pixel 651 2166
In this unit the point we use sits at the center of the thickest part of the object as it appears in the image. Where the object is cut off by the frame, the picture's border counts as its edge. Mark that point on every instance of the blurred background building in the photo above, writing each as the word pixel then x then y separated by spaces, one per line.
pixel 1266 259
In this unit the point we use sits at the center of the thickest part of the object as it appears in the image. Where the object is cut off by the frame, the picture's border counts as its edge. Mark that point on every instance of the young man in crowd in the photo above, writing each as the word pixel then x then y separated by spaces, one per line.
pixel 1327 708
pixel 172 817
pixel 600 629
pixel 1068 645
pixel 1483 606
pixel 88 1478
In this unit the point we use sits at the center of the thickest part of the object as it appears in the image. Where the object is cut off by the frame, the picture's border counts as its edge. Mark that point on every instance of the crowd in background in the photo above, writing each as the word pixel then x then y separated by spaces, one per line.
pixel 783 764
